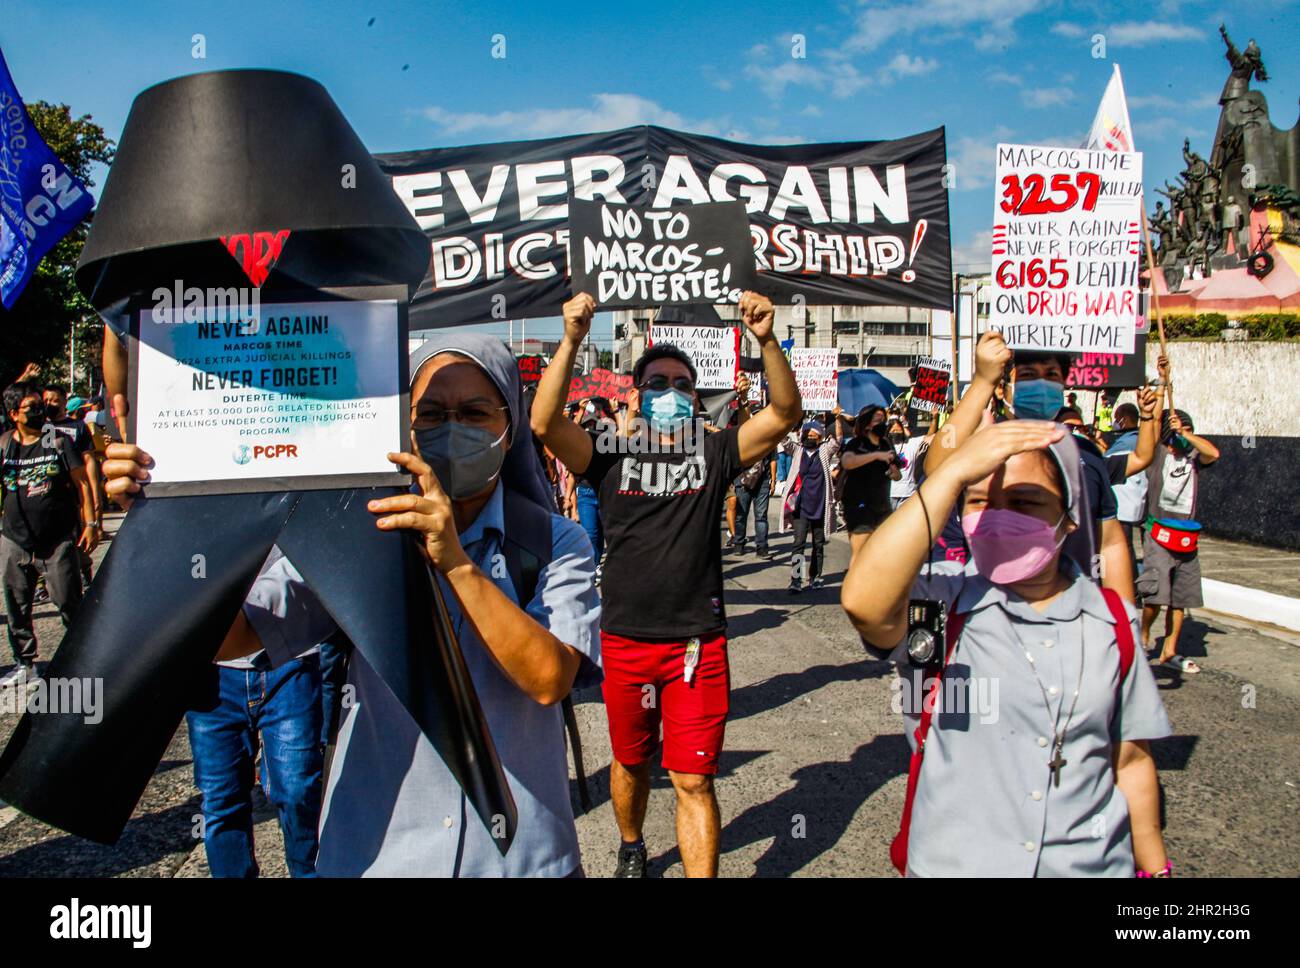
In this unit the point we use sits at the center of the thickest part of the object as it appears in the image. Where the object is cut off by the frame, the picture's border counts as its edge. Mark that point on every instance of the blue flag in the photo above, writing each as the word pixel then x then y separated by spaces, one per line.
pixel 40 200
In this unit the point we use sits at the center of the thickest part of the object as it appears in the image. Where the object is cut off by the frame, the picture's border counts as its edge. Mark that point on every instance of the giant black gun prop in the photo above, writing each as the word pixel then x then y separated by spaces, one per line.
pixel 204 159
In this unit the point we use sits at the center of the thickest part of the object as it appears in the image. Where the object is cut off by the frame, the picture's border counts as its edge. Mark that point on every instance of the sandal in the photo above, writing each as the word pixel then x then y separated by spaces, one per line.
pixel 1183 664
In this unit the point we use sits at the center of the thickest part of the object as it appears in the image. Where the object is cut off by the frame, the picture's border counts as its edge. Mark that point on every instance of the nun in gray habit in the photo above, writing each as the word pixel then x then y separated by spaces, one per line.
pixel 519 584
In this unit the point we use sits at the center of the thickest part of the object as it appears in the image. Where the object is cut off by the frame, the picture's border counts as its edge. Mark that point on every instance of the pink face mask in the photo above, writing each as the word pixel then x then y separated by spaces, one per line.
pixel 1008 546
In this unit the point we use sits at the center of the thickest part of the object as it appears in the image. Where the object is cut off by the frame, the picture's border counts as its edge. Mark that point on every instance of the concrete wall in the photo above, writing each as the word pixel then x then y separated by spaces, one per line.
pixel 1246 398
pixel 1235 389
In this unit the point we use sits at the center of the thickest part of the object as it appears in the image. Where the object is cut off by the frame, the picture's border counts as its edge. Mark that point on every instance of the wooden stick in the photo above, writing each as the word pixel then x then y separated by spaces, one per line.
pixel 1155 297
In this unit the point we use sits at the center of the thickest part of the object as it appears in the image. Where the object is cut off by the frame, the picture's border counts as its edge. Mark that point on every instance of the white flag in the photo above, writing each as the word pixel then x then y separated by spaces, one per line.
pixel 1111 130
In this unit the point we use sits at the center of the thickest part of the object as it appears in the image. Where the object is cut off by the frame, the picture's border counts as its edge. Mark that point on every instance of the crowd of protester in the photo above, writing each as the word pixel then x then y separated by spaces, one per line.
pixel 582 542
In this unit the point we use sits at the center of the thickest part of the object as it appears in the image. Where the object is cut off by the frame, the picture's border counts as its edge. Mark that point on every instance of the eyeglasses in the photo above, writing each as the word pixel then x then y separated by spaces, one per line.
pixel 663 383
pixel 471 414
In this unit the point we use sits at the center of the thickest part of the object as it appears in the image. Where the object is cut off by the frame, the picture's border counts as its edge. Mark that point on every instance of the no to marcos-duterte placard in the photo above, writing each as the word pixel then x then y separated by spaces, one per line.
pixel 1066 248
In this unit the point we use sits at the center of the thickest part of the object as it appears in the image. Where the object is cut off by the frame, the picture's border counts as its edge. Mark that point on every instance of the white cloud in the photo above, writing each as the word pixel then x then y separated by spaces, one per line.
pixel 909 66
pixel 1046 97
pixel 1006 77
pixel 991 21
pixel 1133 33
pixel 975 254
pixel 1064 29
pixel 606 112
pixel 973 160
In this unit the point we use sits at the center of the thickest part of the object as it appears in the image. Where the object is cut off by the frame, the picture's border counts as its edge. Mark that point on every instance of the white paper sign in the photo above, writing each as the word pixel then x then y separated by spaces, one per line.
pixel 275 392
pixel 1066 248
pixel 815 371
pixel 711 348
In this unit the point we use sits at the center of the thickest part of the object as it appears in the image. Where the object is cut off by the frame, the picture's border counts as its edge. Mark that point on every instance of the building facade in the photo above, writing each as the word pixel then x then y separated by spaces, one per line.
pixel 888 339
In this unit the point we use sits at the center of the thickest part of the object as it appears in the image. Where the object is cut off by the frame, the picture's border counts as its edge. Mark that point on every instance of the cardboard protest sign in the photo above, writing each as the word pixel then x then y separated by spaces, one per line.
pixel 815 372
pixel 933 377
pixel 627 256
pixel 530 369
pixel 715 351
pixel 600 382
pixel 849 222
pixel 1109 371
pixel 1066 237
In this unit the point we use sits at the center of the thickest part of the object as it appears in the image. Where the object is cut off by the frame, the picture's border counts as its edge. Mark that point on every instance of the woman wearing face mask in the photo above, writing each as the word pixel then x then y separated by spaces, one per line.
pixel 810 503
pixel 1035 743
pixel 480 502
pixel 869 463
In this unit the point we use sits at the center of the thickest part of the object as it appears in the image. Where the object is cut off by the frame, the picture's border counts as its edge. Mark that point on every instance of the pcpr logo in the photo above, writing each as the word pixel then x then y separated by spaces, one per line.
pixel 244 453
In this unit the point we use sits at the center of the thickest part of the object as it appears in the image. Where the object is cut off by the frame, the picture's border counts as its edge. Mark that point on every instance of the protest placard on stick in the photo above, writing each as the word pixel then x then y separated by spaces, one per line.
pixel 713 349
pixel 1066 242
pixel 933 377
pixel 625 255
pixel 816 372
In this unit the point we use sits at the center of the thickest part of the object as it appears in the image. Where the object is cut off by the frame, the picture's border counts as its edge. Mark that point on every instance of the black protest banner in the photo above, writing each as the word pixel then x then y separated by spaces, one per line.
pixel 684 255
pixel 1109 371
pixel 854 222
pixel 530 369
pixel 600 383
pixel 930 391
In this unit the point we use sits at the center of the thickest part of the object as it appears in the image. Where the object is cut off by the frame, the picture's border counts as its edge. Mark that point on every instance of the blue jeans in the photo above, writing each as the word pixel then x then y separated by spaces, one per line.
pixel 782 465
pixel 758 498
pixel 589 516
pixel 284 705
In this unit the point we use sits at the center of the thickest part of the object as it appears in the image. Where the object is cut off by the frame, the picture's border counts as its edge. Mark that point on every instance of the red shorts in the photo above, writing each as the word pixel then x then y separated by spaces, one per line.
pixel 645 684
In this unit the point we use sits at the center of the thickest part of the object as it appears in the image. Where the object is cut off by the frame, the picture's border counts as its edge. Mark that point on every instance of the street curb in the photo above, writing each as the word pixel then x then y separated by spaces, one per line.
pixel 1251 604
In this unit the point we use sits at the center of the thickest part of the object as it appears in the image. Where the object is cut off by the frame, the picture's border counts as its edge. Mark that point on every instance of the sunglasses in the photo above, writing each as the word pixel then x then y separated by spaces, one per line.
pixel 663 383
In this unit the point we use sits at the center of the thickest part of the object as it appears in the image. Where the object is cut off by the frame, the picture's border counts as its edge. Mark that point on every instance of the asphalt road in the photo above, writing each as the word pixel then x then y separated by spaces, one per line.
pixel 813 774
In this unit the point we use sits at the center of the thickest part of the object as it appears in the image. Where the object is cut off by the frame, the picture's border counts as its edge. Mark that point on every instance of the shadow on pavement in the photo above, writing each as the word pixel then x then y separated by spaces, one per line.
pixel 812 816
pixel 146 840
pixel 770 693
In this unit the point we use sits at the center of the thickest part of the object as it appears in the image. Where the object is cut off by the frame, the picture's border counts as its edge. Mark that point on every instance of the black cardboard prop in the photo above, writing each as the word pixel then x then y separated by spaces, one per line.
pixel 230 153
pixel 234 153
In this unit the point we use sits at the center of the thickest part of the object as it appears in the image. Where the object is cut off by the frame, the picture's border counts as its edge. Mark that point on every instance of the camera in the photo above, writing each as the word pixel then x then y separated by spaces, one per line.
pixel 926 621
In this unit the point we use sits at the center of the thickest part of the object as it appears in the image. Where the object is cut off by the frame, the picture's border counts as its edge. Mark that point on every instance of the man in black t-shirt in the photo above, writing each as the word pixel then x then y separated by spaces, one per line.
pixel 663 625
pixel 44 497
pixel 56 403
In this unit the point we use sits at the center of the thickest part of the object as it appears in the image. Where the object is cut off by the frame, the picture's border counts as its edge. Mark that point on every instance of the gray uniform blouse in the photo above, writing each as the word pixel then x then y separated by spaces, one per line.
pixel 985 802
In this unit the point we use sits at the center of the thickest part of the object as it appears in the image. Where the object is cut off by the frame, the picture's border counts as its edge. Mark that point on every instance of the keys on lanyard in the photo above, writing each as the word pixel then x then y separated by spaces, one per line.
pixel 691 659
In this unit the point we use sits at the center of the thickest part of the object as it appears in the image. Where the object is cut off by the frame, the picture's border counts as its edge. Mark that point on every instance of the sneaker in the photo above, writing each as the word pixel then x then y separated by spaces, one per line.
pixel 796 587
pixel 19 675
pixel 817 582
pixel 42 596
pixel 763 553
pixel 631 861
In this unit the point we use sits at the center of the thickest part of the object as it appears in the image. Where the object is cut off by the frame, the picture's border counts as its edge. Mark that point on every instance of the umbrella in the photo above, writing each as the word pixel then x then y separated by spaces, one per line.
pixel 865 388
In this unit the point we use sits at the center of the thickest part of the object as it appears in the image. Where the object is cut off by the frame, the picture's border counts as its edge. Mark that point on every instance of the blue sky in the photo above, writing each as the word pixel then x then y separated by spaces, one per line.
pixel 422 74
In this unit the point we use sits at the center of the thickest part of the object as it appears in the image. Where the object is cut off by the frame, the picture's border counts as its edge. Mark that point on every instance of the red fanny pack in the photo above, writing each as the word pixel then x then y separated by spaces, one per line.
pixel 1181 536
pixel 1127 649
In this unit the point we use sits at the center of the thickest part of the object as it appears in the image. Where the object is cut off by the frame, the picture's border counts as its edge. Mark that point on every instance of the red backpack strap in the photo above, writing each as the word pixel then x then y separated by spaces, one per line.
pixel 898 849
pixel 1123 631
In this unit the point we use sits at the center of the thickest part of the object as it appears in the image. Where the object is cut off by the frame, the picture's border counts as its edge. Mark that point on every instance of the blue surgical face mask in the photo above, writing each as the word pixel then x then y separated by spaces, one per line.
pixel 1037 399
pixel 666 410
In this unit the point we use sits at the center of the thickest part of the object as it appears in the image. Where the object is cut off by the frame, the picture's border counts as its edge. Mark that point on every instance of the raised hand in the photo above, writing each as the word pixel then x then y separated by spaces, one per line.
pixel 991 356
pixel 429 513
pixel 577 313
pixel 988 448
pixel 756 312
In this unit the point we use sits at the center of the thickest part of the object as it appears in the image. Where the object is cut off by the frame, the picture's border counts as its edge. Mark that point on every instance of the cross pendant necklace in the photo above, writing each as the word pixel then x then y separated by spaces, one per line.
pixel 1057 761
pixel 1058 739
